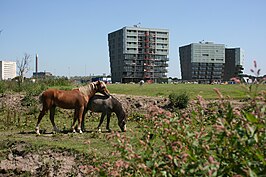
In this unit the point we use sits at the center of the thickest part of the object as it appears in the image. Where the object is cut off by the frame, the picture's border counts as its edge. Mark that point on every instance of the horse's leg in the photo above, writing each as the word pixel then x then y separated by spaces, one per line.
pixel 101 121
pixel 52 113
pixel 74 121
pixel 108 121
pixel 83 120
pixel 80 116
pixel 42 113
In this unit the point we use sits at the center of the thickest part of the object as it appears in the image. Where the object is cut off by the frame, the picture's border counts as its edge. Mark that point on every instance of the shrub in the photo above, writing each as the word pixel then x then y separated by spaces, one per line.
pixel 2 87
pixel 179 101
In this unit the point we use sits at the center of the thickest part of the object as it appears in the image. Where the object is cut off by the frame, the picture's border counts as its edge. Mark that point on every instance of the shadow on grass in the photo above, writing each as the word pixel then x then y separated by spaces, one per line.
pixel 63 132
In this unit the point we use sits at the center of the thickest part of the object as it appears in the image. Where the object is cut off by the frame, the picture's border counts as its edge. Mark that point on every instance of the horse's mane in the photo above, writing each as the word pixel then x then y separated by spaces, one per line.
pixel 88 89
pixel 119 106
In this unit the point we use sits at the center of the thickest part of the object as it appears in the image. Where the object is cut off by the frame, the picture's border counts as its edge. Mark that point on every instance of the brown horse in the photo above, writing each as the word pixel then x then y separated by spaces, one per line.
pixel 72 99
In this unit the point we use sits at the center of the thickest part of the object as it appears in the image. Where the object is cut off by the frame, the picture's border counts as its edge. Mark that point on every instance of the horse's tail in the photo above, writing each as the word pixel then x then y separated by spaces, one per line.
pixel 41 98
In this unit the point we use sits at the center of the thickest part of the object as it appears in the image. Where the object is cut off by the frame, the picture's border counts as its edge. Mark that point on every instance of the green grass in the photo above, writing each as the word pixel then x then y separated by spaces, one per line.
pixel 90 142
pixel 193 90
pixel 234 91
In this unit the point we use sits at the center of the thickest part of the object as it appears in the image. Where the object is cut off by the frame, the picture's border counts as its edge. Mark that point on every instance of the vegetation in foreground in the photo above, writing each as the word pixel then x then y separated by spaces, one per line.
pixel 205 139
pixel 209 140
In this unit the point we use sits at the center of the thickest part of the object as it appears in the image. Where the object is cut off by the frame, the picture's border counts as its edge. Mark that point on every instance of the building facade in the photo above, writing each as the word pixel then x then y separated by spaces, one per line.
pixel 234 58
pixel 202 62
pixel 138 53
pixel 7 70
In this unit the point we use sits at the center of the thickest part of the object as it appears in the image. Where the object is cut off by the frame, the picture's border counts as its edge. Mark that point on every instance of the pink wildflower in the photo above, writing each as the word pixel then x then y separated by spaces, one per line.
pixel 169 157
pixel 142 165
pixel 218 127
pixel 201 100
pixel 168 114
pixel 167 121
pixel 211 159
pixel 142 142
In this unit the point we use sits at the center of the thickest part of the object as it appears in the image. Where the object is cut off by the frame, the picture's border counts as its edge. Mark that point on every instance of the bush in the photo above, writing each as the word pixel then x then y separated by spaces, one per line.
pixel 2 87
pixel 179 101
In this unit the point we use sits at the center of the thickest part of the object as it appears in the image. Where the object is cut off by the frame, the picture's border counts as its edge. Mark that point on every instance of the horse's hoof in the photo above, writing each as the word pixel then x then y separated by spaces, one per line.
pixel 99 130
pixel 38 133
pixel 109 130
pixel 74 131
pixel 80 131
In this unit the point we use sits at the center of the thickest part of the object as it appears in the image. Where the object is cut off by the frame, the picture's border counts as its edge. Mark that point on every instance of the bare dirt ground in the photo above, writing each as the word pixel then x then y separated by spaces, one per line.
pixel 19 161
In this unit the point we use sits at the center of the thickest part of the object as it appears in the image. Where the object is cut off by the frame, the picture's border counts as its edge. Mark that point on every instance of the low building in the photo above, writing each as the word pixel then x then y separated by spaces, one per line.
pixel 42 74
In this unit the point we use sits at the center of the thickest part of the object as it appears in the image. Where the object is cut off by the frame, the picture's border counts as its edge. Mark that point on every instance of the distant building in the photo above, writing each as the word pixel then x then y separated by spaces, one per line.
pixel 234 58
pixel 208 62
pixel 138 53
pixel 42 74
pixel 202 62
pixel 7 70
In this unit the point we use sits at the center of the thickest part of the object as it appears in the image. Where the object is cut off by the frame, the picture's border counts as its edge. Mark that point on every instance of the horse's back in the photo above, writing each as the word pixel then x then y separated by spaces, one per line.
pixel 67 99
pixel 100 103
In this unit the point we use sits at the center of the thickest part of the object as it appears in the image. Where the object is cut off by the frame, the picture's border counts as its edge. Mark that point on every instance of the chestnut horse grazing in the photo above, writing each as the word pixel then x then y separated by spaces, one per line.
pixel 69 99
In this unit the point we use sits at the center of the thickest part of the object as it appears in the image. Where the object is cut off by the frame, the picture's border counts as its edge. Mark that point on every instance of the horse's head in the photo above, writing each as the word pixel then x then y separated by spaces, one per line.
pixel 122 122
pixel 101 87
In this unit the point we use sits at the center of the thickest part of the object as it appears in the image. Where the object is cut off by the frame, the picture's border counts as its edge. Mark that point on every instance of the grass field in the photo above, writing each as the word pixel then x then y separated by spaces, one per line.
pixel 235 91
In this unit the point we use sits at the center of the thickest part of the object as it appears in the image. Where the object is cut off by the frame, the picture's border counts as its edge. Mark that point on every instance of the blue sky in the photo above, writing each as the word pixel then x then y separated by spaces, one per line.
pixel 70 36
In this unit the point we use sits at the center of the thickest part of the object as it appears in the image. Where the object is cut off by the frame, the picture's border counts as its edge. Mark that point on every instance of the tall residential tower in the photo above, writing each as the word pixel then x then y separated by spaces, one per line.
pixel 138 53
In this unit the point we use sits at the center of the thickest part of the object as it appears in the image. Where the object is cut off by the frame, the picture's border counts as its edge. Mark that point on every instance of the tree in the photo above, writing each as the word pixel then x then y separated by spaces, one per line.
pixel 23 67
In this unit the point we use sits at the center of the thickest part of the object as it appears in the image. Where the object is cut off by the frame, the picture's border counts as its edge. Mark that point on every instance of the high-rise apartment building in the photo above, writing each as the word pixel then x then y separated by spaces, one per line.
pixel 234 58
pixel 202 62
pixel 138 53
pixel 7 70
